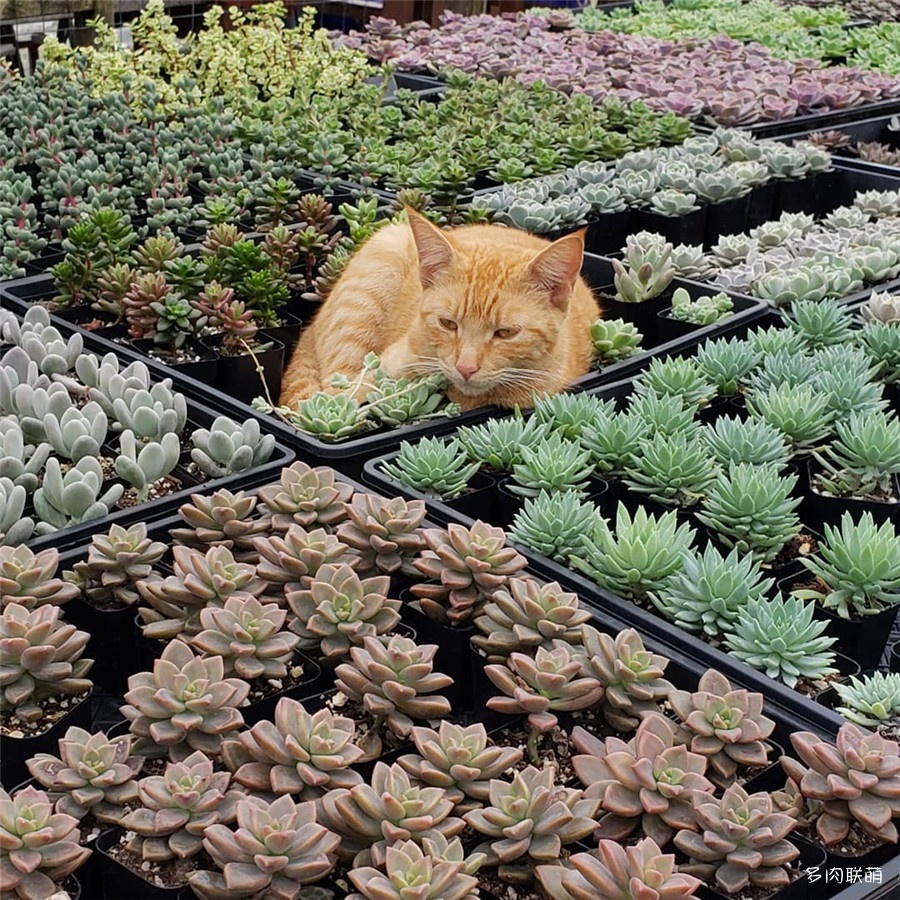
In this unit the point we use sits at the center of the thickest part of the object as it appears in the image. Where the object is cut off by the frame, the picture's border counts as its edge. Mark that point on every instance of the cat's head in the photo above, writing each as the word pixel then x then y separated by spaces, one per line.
pixel 494 304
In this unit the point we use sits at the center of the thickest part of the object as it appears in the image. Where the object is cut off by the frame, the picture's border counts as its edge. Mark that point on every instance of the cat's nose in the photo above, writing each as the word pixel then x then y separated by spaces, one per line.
pixel 466 371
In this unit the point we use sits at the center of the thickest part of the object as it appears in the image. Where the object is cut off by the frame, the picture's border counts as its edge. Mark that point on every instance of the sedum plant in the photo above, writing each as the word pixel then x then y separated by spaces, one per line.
pixel 856 780
pixel 741 841
pixel 185 704
pixel 39 846
pixel 701 310
pixel 436 467
pixel 554 523
pixel 554 464
pixel 458 759
pixel 469 564
pixel 531 817
pixel 29 578
pixel 41 659
pixel 751 509
pixel 781 638
pixel 498 443
pixel 391 680
pixel 276 848
pixel 752 441
pixel 93 774
pixel 614 340
pixel 725 725
pixel 650 782
pixel 870 700
pixel 859 566
pixel 643 552
pixel 615 872
pixel 296 753
pixel 338 609
pixel 385 534
pixel 226 448
pixel 305 496
pixel 709 593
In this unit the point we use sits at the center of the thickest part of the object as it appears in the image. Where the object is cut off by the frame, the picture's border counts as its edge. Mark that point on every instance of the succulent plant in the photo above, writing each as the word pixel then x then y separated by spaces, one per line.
pixel 701 310
pixel 469 564
pixel 276 849
pixel 408 868
pixel 305 496
pixel 709 593
pixel 881 342
pixel 338 609
pixel 677 376
pixel 93 774
pixel 671 469
pixel 222 518
pixel 21 463
pixel 44 344
pixel 531 817
pixel 856 779
pixel 751 509
pixel 660 413
pixel 725 725
pixel 614 339
pixel 726 362
pixel 296 753
pixel 631 675
pixel 384 534
pixel 458 759
pixel 329 417
pixel 821 323
pixel 436 467
pixel 78 432
pixel 870 700
pixel 781 638
pixel 859 565
pixel 390 809
pixel 554 464
pixel 643 552
pixel 881 307
pixel 142 466
pixel 732 439
pixel 226 448
pixel 799 412
pixel 40 847
pixel 297 555
pixel 149 413
pixel 616 438
pixel 41 658
pixel 647 270
pixel 615 872
pixel 570 415
pixel 554 524
pixel 29 579
pixel 184 704
pixel 177 807
pixel 785 287
pixel 651 781
pixel 391 680
pixel 741 841
pixel 498 442
pixel 73 498
pixel 15 526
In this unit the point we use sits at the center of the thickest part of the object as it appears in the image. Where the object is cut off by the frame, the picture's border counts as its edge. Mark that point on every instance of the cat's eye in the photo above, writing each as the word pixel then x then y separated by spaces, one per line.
pixel 505 333
pixel 447 324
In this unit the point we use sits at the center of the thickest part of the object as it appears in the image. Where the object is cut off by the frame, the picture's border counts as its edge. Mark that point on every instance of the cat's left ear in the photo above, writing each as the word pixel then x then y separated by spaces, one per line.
pixel 556 268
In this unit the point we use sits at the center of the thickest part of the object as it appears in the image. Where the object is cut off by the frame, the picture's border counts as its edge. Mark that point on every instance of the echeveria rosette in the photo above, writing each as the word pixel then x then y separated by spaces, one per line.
pixel 29 578
pixel 276 849
pixel 305 496
pixel 225 518
pixel 184 704
pixel 298 753
pixel 532 817
pixel 38 847
pixel 741 841
pixel 725 725
pixel 296 556
pixel 649 782
pixel 856 779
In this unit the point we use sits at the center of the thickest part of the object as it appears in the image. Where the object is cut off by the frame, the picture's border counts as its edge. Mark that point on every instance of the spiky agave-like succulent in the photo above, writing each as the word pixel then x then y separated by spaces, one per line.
pixel 554 523
pixel 338 609
pixel 726 362
pixel 569 415
pixel 184 704
pixel 458 759
pixel 39 846
pixel 677 376
pixel 725 725
pixel 651 781
pixel 615 872
pixel 870 700
pixel 434 466
pixel 671 469
pixel 753 441
pixel 276 849
pixel 856 779
pixel 385 534
pixel 92 774
pixel 468 564
pixel 29 578
pixel 555 464
pixel 532 817
pixel 799 412
pixel 305 496
pixel 498 442
pixel 392 680
pixel 528 614
pixel 296 753
pixel 781 638
pixel 859 564
pixel 741 841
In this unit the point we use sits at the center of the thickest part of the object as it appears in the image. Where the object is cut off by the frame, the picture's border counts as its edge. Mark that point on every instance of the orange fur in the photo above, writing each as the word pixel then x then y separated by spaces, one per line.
pixel 505 308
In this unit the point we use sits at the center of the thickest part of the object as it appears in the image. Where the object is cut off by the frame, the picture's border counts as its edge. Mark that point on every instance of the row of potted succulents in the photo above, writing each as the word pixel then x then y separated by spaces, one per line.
pixel 84 437
pixel 743 448
pixel 515 746
pixel 719 80
pixel 873 141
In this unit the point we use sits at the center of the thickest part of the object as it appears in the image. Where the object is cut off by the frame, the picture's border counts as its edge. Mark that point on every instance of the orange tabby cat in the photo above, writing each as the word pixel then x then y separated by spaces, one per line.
pixel 498 312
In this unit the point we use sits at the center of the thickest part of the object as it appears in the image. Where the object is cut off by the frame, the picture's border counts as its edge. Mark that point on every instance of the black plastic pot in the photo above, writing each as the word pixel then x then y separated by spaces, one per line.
pixel 687 229
pixel 120 882
pixel 204 368
pixel 238 376
pixel 762 204
pixel 310 685
pixel 727 217
pixel 17 751
pixel 894 657
pixel 827 508
pixel 607 233
pixel 112 643
pixel 288 330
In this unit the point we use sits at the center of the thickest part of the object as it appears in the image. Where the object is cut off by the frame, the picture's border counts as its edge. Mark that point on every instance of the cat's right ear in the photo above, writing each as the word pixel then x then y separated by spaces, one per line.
pixel 435 252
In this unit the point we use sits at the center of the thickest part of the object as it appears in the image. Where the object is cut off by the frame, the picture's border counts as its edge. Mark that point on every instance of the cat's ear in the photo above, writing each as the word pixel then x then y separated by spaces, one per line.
pixel 556 268
pixel 435 252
